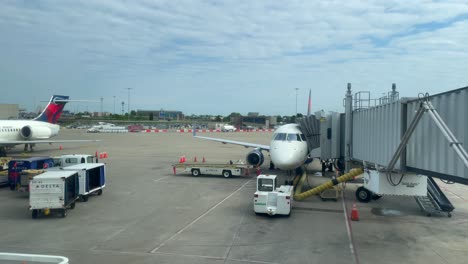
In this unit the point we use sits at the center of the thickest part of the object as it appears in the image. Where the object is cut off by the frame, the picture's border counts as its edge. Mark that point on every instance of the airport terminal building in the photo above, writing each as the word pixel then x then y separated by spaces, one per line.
pixel 161 114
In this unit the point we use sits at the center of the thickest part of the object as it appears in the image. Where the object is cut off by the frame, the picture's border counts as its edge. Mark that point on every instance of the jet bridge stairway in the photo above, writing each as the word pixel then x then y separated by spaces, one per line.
pixel 435 201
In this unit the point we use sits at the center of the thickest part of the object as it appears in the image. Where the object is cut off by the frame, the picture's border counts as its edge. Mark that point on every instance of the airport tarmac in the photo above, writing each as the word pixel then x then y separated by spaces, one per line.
pixel 148 215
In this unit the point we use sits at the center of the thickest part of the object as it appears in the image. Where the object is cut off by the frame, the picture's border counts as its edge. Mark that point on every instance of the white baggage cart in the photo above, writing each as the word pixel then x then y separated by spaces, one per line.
pixel 92 178
pixel 53 192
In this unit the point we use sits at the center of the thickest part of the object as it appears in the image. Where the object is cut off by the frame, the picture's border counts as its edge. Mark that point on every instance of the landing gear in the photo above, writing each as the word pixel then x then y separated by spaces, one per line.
pixel 30 147
pixel 272 165
pixel 2 152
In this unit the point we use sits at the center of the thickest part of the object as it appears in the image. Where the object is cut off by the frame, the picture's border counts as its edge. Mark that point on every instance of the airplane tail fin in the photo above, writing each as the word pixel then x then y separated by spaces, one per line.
pixel 53 110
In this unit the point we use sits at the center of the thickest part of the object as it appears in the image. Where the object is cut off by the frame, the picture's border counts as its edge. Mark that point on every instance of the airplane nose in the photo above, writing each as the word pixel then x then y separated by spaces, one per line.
pixel 284 160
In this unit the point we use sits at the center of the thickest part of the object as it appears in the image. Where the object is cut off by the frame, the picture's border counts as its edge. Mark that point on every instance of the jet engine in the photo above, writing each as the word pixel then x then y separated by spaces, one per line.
pixel 255 157
pixel 29 132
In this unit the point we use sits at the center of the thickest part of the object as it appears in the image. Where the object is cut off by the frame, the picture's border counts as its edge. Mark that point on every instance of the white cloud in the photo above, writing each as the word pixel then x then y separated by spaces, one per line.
pixel 257 51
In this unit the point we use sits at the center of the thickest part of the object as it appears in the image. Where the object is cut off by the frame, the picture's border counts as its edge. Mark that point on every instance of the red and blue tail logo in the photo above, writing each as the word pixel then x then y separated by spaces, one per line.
pixel 53 110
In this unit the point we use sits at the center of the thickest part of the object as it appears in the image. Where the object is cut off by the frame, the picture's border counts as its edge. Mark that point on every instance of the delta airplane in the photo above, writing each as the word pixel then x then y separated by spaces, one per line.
pixel 38 130
pixel 288 148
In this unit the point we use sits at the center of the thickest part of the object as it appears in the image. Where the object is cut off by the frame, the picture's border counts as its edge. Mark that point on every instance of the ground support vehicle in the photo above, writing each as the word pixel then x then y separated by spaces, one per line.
pixel 53 192
pixel 16 166
pixel 91 177
pixel 72 159
pixel 226 170
pixel 271 200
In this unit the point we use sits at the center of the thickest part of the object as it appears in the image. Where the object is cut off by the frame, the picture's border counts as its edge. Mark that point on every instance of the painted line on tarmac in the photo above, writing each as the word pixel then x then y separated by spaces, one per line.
pixel 349 230
pixel 163 178
pixel 198 218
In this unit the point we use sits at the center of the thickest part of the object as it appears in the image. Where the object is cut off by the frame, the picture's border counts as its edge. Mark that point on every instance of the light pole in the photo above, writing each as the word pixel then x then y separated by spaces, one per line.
pixel 296 99
pixel 114 105
pixel 128 102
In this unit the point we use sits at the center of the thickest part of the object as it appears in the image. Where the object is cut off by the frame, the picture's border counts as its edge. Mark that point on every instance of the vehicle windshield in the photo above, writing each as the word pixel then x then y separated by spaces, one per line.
pixel 265 185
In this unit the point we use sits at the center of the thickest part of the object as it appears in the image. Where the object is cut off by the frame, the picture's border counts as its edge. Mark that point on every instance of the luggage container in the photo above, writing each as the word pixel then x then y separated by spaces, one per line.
pixel 53 192
pixel 92 178
pixel 25 177
pixel 17 165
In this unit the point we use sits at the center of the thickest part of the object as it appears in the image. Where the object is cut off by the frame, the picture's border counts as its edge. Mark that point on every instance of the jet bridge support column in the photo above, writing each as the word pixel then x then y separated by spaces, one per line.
pixel 348 127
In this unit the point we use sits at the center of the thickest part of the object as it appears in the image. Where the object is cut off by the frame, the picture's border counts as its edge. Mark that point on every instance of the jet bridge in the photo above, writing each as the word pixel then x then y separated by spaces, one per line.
pixel 409 136
pixel 422 135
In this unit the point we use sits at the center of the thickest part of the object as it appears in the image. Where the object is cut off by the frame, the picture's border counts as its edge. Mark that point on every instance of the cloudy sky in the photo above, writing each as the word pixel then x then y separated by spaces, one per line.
pixel 218 57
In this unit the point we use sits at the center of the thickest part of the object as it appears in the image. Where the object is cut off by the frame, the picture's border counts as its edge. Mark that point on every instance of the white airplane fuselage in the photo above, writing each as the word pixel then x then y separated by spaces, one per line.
pixel 11 130
pixel 288 147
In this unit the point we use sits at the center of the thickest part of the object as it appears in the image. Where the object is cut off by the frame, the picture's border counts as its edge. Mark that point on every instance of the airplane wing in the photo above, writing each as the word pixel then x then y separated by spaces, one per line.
pixel 245 144
pixel 16 142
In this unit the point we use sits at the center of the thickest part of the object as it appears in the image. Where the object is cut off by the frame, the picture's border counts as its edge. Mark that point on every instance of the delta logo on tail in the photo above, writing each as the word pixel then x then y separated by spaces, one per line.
pixel 53 110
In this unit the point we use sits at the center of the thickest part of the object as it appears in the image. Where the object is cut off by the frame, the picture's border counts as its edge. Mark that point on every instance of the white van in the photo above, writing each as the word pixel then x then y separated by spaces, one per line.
pixel 73 159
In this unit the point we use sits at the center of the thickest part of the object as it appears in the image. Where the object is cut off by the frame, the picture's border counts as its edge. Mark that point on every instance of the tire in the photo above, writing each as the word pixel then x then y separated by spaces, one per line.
pixel 99 192
pixel 227 174
pixel 72 205
pixel 63 213
pixel 363 195
pixel 84 198
pixel 34 213
pixel 12 187
pixel 195 172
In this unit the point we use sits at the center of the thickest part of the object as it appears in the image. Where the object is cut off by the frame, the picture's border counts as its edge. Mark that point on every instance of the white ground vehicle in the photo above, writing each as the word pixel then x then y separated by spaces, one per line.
pixel 226 170
pixel 53 191
pixel 72 159
pixel 271 200
pixel 228 128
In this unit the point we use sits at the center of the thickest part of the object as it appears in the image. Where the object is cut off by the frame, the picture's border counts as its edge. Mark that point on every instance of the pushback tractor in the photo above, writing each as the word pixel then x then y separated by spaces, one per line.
pixel 271 200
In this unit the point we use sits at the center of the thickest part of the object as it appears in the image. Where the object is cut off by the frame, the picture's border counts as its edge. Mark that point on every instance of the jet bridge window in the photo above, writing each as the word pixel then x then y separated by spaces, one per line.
pixel 265 185
pixel 293 137
pixel 280 137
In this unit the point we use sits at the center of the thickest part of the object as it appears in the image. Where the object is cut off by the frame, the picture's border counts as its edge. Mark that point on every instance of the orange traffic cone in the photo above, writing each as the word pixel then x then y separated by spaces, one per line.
pixel 203 159
pixel 60 147
pixel 354 213
pixel 174 169
pixel 105 155
pixel 96 154
pixel 195 159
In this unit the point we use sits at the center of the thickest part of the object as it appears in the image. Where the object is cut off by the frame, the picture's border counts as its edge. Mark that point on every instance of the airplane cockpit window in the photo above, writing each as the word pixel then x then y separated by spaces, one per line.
pixel 280 136
pixel 293 137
